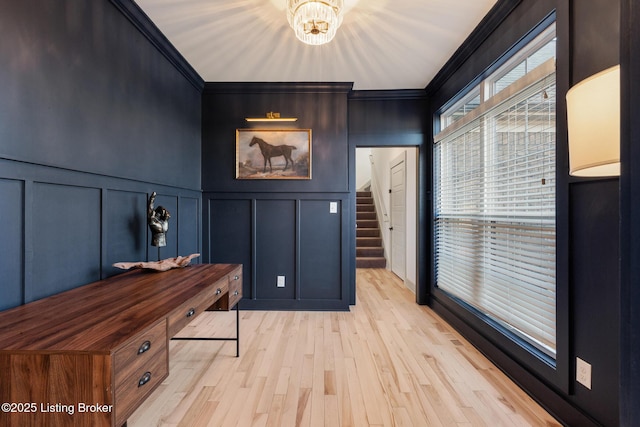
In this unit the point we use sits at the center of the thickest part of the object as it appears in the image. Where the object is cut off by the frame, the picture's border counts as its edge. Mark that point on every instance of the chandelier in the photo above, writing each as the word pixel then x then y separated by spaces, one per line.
pixel 314 21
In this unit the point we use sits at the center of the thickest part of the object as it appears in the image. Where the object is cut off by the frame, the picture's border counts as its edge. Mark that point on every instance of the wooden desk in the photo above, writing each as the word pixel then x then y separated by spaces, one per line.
pixel 91 355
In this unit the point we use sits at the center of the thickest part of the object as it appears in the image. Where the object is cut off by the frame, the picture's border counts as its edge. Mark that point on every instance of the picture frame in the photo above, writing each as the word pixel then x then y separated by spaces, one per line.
pixel 273 153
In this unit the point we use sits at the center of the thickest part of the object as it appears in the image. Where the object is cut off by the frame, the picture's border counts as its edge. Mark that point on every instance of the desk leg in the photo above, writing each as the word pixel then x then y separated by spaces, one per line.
pixel 236 339
pixel 237 330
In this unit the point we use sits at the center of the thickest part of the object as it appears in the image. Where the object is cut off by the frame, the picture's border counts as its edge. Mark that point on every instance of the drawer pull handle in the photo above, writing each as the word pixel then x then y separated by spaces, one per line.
pixel 218 291
pixel 191 312
pixel 236 277
pixel 144 347
pixel 236 293
pixel 144 379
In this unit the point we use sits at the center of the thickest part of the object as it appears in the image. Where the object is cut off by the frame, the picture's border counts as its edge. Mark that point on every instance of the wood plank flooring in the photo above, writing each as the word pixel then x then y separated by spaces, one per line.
pixel 387 362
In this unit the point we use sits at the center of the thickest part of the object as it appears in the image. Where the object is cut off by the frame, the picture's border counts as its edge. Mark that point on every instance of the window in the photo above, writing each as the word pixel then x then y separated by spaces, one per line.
pixel 461 108
pixel 523 62
pixel 494 179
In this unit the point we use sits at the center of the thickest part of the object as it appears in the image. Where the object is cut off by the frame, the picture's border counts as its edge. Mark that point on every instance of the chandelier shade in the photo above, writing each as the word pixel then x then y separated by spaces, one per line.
pixel 315 22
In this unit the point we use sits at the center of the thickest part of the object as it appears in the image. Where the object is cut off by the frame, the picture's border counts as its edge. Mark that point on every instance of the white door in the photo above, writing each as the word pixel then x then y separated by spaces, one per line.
pixel 398 216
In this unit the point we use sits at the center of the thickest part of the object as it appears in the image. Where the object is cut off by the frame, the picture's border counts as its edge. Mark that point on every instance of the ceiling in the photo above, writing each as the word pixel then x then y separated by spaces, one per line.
pixel 381 44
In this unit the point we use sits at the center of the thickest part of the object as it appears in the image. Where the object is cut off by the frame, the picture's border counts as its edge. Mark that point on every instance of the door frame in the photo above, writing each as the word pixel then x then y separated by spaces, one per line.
pixel 423 213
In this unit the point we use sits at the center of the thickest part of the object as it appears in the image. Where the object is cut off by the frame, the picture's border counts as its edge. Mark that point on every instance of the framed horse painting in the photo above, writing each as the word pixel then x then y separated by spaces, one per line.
pixel 273 154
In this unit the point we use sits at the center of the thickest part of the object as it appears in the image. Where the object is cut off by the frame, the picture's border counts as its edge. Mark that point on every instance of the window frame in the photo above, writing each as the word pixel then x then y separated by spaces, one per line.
pixel 480 330
pixel 517 222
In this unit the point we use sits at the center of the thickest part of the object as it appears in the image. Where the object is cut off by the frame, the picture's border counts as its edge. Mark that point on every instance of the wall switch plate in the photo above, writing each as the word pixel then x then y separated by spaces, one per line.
pixel 280 282
pixel 333 207
pixel 583 373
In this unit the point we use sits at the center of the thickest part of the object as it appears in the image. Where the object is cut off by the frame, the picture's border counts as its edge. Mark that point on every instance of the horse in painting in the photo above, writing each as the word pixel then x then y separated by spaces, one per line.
pixel 268 151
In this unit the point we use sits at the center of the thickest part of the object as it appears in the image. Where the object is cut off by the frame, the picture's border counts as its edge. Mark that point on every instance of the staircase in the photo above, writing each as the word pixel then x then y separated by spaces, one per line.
pixel 369 251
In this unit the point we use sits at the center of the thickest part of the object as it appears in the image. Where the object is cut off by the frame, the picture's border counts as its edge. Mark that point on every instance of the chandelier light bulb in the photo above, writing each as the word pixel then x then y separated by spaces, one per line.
pixel 315 22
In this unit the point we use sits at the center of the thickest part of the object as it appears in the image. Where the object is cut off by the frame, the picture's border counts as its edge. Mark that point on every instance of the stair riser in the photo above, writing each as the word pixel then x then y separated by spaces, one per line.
pixel 367 223
pixel 364 201
pixel 365 216
pixel 367 242
pixel 371 263
pixel 370 252
pixel 365 208
pixel 367 232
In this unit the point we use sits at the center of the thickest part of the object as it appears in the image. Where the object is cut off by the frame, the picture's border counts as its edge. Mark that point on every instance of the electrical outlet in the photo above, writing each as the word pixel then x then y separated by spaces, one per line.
pixel 280 282
pixel 333 207
pixel 583 373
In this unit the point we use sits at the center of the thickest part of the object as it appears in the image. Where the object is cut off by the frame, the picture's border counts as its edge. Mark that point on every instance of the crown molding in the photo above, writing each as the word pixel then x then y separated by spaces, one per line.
pixel 385 95
pixel 143 23
pixel 278 87
pixel 498 13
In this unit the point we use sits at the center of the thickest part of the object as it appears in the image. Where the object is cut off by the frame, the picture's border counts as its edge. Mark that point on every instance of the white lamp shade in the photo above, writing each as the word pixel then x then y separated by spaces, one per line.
pixel 593 114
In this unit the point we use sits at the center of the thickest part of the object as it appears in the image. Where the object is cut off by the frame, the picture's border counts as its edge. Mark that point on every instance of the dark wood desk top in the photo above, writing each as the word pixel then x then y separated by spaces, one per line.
pixel 101 316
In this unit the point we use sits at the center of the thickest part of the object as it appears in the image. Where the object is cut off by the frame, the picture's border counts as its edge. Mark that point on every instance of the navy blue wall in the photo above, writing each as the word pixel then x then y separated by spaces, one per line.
pixel 280 227
pixel 588 271
pixel 629 213
pixel 94 116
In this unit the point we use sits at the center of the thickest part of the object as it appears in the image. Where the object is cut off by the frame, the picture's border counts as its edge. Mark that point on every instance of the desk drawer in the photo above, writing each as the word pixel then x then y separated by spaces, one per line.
pixel 139 366
pixel 235 287
pixel 228 301
pixel 180 317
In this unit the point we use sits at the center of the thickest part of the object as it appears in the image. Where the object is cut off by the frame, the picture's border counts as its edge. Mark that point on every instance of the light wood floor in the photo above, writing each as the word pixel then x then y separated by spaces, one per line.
pixel 387 362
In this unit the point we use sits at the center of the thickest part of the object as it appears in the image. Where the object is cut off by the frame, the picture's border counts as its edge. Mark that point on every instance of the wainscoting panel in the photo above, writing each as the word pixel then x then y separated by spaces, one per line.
pixel 228 223
pixel 319 260
pixel 126 228
pixel 66 238
pixel 189 226
pixel 275 248
pixel 294 235
pixel 12 248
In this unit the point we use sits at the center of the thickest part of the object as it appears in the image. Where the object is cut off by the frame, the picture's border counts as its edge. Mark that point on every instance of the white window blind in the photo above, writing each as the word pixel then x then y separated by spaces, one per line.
pixel 494 179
